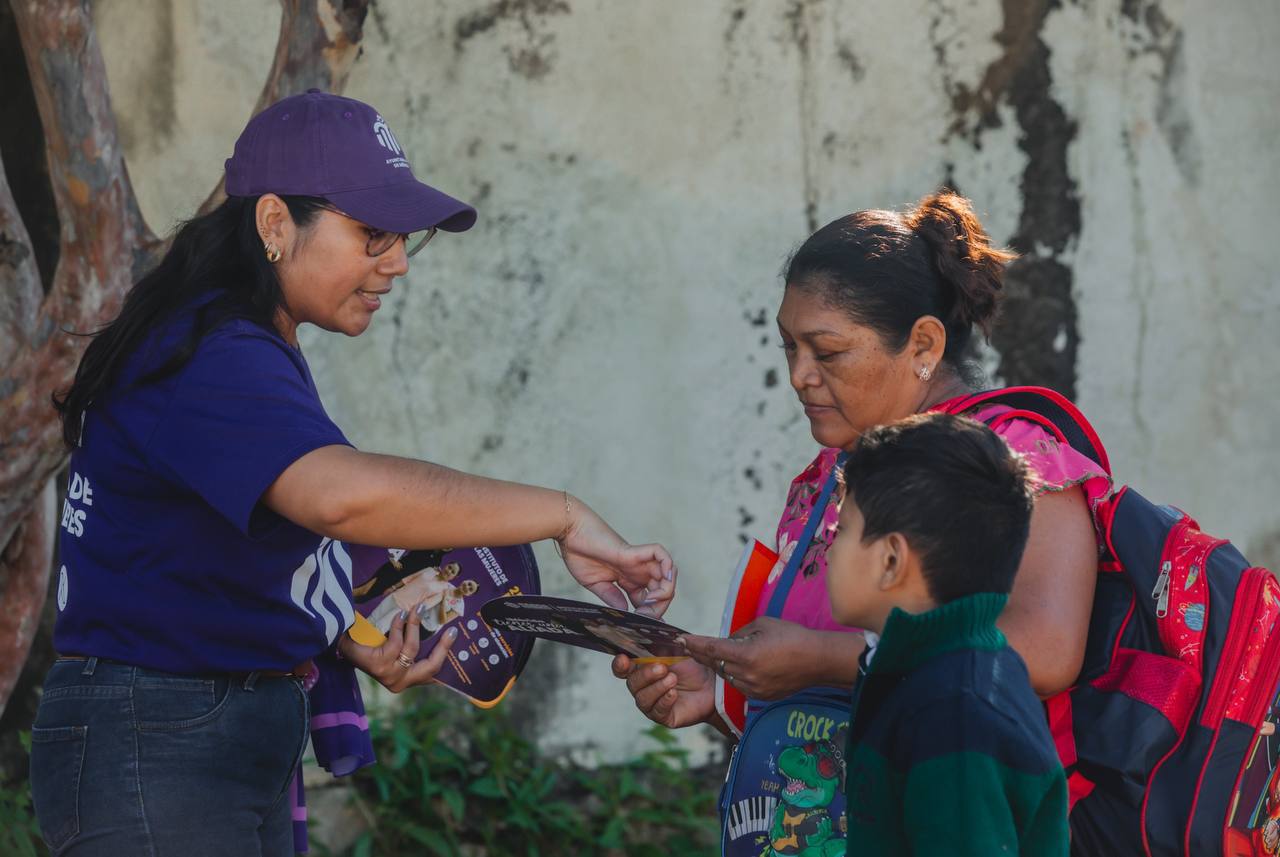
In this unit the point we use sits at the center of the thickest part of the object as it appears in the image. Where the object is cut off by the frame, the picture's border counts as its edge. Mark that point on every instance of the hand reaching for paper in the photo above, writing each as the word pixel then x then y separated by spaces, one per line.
pixel 771 658
pixel 615 571
pixel 680 694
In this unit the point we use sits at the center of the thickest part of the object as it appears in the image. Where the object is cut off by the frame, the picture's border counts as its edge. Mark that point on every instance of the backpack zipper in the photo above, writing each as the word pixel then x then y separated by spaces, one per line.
pixel 1161 592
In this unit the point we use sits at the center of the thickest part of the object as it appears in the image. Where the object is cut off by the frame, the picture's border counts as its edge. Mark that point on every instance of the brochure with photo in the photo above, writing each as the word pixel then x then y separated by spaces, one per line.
pixel 484 660
pixel 587 625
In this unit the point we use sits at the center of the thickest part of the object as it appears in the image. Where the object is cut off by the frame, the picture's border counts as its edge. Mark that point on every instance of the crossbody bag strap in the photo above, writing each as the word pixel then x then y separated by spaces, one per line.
pixel 816 514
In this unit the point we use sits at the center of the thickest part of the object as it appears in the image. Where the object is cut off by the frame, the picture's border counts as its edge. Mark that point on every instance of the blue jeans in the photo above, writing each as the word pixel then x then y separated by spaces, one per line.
pixel 128 761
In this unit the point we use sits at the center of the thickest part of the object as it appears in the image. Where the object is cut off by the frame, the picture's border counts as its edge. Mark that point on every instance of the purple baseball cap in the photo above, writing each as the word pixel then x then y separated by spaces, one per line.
pixel 318 144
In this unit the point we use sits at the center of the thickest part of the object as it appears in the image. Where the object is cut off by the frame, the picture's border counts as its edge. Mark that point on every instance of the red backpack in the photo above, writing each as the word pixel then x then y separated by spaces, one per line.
pixel 1173 714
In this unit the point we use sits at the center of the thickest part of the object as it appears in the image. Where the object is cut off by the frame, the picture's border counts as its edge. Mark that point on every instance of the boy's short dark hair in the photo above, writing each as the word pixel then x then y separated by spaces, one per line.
pixel 950 485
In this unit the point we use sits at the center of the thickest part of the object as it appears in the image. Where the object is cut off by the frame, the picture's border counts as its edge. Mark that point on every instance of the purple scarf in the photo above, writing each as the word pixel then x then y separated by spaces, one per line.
pixel 339 733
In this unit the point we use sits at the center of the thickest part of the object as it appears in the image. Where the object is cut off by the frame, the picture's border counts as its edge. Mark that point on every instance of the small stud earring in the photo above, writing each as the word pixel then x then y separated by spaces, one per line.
pixel 925 373
pixel 273 252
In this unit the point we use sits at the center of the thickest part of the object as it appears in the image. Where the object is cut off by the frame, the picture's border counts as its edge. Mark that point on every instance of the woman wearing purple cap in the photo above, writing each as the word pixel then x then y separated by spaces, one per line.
pixel 208 485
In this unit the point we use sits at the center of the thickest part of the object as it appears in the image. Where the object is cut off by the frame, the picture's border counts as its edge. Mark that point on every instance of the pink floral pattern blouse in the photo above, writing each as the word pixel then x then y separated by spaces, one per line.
pixel 1058 467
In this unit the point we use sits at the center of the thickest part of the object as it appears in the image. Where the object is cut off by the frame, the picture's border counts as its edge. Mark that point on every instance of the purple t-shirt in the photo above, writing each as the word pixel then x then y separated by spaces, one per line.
pixel 168 559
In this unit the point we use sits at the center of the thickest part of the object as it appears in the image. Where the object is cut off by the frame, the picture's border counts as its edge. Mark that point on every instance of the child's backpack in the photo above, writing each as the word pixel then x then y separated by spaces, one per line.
pixel 784 791
pixel 1174 712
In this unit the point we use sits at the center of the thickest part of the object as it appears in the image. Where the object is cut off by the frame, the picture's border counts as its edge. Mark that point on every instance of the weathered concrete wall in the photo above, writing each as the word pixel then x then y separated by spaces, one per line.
pixel 642 171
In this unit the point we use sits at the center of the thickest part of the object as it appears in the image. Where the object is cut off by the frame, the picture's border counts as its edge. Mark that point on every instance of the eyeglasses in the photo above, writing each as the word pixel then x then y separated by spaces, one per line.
pixel 380 241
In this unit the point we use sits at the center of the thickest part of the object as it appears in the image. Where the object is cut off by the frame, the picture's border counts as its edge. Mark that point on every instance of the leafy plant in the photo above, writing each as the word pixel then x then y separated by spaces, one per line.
pixel 19 834
pixel 452 781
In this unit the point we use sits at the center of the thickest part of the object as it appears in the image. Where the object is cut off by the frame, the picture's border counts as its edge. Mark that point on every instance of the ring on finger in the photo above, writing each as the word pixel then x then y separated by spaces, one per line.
pixel 728 678
pixel 404 660
pixel 720 667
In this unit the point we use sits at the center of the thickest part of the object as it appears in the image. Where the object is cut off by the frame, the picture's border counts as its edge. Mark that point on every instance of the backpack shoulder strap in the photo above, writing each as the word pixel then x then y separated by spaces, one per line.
pixel 1046 407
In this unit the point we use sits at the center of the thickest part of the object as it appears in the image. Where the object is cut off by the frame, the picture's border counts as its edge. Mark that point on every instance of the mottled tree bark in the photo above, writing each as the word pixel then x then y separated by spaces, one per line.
pixel 103 245
pixel 24 574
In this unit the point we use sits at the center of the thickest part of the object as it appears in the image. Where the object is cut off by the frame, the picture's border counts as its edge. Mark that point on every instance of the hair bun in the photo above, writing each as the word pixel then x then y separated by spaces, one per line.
pixel 963 256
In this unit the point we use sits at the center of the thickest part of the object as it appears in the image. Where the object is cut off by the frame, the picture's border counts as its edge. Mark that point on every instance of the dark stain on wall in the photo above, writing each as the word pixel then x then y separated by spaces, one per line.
pixel 380 24
pixel 850 61
pixel 796 17
pixel 1038 335
pixel 1173 114
pixel 531 54
pixel 735 20
pixel 1158 35
pixel 515 379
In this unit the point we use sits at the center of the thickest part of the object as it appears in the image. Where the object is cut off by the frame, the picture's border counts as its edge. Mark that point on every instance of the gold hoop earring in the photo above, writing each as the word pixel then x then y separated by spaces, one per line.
pixel 273 253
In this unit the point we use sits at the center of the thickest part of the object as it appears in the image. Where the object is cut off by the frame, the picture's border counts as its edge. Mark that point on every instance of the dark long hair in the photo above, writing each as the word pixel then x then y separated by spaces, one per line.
pixel 887 270
pixel 218 252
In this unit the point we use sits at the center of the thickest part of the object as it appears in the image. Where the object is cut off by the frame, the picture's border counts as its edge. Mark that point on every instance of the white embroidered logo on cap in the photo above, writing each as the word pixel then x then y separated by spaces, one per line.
pixel 384 135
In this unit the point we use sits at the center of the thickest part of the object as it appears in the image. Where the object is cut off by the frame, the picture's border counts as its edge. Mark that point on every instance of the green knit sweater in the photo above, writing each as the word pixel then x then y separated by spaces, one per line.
pixel 949 751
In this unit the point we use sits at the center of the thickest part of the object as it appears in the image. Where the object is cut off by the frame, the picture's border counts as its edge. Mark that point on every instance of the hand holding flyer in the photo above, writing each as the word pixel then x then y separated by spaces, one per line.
pixel 589 626
pixel 444 589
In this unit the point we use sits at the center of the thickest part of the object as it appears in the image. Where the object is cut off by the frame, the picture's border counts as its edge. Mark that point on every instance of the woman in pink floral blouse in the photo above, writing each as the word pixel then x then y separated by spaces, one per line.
pixel 876 321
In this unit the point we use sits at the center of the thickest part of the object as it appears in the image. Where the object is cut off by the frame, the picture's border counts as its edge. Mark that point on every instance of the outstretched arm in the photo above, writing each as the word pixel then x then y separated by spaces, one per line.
pixel 373 499
pixel 386 500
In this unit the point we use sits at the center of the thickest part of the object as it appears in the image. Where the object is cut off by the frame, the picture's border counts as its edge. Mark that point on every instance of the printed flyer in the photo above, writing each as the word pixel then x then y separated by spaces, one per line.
pixel 590 626
pixel 453 584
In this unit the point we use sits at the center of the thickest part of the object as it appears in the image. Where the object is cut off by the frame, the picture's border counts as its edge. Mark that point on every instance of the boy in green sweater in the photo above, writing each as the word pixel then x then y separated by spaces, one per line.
pixel 949 752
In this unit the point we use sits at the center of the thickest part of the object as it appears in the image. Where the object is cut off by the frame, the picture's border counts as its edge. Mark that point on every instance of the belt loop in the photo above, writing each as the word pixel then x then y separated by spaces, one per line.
pixel 251 680
pixel 90 665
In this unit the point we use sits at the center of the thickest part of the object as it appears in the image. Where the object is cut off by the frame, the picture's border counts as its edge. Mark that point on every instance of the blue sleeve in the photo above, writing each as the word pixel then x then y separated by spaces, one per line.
pixel 243 409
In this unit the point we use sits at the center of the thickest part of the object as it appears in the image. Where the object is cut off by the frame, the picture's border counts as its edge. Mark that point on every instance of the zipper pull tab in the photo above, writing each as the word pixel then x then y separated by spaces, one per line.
pixel 1161 592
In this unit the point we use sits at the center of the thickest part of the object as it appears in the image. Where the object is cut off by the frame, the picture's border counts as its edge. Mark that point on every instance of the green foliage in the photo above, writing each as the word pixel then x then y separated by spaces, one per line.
pixel 458 781
pixel 19 835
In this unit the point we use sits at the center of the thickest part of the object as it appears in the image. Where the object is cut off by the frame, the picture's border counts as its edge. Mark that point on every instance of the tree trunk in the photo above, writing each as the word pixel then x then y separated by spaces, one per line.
pixel 104 245
pixel 24 572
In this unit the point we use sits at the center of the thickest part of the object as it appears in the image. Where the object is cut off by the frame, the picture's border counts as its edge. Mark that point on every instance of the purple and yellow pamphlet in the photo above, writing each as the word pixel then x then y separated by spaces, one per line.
pixel 450 586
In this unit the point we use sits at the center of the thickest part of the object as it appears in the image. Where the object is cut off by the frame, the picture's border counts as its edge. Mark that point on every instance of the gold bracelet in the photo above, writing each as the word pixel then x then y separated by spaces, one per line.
pixel 568 518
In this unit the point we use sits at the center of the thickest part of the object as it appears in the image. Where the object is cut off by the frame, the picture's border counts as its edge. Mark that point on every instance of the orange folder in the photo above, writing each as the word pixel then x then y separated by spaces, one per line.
pixel 739 610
